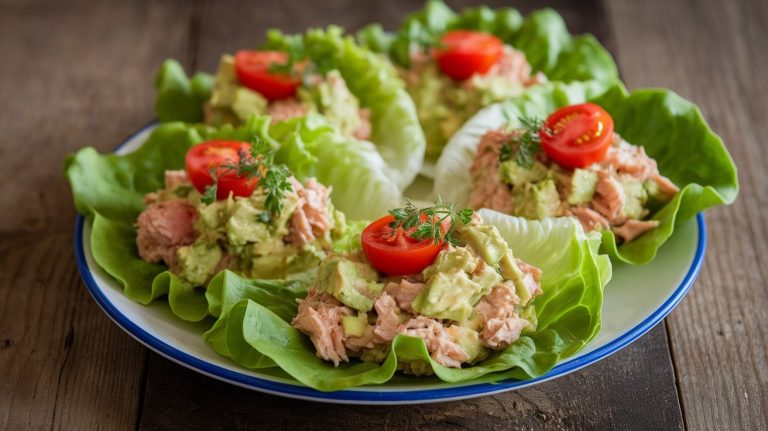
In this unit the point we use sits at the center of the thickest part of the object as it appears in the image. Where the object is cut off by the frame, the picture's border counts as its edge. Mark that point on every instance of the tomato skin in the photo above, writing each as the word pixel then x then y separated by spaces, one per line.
pixel 465 53
pixel 205 156
pixel 252 68
pixel 397 254
pixel 577 136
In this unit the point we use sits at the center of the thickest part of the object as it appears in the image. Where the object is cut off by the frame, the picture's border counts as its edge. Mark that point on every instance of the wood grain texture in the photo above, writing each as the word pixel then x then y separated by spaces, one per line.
pixel 714 54
pixel 80 74
pixel 73 74
pixel 632 390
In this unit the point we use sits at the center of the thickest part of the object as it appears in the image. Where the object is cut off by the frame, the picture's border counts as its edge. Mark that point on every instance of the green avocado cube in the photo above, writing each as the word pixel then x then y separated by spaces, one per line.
pixel 354 284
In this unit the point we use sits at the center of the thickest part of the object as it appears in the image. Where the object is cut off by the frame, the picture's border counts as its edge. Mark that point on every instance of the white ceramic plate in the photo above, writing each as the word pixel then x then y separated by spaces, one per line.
pixel 636 299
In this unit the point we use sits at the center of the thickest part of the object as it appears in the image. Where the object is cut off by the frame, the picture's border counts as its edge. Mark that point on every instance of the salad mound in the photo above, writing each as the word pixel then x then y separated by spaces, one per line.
pixel 470 312
pixel 456 63
pixel 599 178
pixel 320 73
pixel 476 297
pixel 657 165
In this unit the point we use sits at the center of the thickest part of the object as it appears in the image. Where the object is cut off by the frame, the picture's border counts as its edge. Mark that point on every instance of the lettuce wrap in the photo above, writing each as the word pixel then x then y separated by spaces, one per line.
pixel 542 36
pixel 256 331
pixel 670 128
pixel 395 129
pixel 109 190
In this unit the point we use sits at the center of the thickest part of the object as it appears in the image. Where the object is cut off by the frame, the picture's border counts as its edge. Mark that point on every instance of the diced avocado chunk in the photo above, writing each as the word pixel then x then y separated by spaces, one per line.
pixel 469 340
pixel 212 216
pixel 355 325
pixel 244 226
pixel 635 198
pixel 447 296
pixel 511 272
pixel 656 197
pixel 487 240
pixel 529 313
pixel 451 259
pixel 583 184
pixel 197 261
pixel 248 102
pixel 487 278
pixel 352 283
pixel 514 174
pixel 536 201
pixel 226 83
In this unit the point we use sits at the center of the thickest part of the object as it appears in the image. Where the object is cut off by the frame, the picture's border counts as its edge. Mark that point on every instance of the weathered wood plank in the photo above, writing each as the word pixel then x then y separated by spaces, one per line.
pixel 63 363
pixel 714 54
pixel 621 392
pixel 74 74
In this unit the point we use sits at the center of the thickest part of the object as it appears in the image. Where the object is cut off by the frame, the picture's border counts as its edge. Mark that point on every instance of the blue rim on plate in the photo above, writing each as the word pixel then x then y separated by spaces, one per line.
pixel 376 397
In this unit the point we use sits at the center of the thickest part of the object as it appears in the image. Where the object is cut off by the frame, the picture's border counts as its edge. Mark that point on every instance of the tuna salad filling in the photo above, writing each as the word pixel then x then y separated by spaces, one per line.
pixel 196 240
pixel 445 100
pixel 233 102
pixel 616 191
pixel 474 298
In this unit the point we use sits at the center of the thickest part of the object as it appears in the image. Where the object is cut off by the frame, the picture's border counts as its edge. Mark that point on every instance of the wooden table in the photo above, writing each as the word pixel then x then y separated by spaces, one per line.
pixel 80 73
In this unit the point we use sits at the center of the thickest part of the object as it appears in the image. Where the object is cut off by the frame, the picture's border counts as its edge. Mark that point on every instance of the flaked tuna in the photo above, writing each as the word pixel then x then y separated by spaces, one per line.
pixel 500 322
pixel 404 292
pixel 387 320
pixel 162 228
pixel 281 110
pixel 609 196
pixel 319 317
pixel 589 218
pixel 440 345
pixel 634 228
pixel 311 219
pixel 489 190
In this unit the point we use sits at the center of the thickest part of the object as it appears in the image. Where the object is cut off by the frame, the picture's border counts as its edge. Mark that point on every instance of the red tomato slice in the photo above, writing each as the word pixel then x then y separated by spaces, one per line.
pixel 211 155
pixel 578 135
pixel 464 53
pixel 252 69
pixel 395 252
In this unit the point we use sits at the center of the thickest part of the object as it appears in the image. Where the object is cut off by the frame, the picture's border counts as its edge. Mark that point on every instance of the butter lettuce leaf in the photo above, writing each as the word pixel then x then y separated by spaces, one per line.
pixel 671 129
pixel 568 317
pixel 395 129
pixel 180 98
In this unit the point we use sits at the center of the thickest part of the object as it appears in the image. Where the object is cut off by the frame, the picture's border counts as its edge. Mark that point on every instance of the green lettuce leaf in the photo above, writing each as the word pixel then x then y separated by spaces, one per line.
pixel 568 317
pixel 372 79
pixel 671 129
pixel 180 98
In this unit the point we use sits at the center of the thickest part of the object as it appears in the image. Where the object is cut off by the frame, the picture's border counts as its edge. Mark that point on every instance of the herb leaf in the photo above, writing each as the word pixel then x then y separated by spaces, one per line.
pixel 523 147
pixel 274 179
pixel 428 221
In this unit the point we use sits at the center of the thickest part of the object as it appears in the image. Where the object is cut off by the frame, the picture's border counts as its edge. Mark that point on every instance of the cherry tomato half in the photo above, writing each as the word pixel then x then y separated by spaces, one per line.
pixel 252 68
pixel 578 135
pixel 395 252
pixel 204 157
pixel 464 53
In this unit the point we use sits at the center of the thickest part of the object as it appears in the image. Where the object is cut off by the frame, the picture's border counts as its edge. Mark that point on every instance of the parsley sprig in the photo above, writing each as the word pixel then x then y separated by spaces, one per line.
pixel 523 147
pixel 428 221
pixel 259 163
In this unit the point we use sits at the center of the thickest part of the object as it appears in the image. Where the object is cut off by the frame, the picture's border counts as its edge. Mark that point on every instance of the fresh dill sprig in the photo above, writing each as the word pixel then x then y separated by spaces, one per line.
pixel 427 223
pixel 260 164
pixel 523 147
